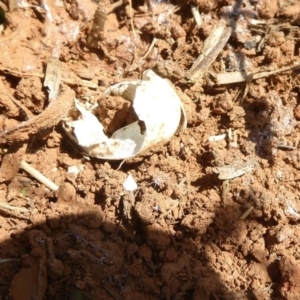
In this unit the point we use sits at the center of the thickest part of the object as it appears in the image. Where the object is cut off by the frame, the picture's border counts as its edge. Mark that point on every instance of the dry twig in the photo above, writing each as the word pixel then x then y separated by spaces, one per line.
pixel 6 206
pixel 57 109
pixel 39 176
pixel 236 77
pixel 69 81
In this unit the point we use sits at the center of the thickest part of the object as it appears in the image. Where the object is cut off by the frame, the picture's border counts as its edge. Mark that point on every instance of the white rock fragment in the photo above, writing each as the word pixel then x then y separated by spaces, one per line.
pixel 216 138
pixel 129 184
pixel 75 170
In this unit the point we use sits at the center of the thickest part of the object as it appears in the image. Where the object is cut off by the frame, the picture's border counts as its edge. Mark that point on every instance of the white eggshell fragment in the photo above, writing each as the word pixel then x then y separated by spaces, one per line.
pixel 157 106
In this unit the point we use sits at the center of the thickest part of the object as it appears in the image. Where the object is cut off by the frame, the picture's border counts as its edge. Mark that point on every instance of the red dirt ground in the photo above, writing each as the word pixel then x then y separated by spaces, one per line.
pixel 180 235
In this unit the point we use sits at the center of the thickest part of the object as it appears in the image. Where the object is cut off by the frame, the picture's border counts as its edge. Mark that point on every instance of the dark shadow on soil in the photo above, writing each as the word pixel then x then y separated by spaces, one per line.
pixel 73 259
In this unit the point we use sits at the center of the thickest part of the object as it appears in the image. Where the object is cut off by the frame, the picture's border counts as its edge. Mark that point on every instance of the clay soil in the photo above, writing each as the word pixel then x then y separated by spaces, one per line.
pixel 187 232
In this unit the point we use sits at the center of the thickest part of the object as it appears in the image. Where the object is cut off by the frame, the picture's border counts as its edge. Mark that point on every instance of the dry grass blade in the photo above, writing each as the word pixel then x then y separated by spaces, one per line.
pixel 6 206
pixel 246 213
pixel 149 49
pixel 236 77
pixel 75 80
pixel 53 77
pixel 212 47
pixel 131 19
pixel 196 15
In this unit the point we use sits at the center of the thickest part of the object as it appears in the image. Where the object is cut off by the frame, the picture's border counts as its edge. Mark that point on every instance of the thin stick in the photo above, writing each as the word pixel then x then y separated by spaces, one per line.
pixel 196 15
pixel 286 147
pixel 131 19
pixel 121 164
pixel 246 213
pixel 10 207
pixel 235 77
pixel 39 176
pixel 150 49
pixel 71 81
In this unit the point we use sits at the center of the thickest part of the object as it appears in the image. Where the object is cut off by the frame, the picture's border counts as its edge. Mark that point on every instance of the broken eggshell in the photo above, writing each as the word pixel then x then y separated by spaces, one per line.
pixel 160 115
